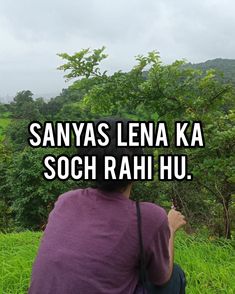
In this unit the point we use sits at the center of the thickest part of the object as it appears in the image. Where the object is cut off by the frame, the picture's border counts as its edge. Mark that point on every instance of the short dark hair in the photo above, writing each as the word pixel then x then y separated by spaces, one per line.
pixel 113 150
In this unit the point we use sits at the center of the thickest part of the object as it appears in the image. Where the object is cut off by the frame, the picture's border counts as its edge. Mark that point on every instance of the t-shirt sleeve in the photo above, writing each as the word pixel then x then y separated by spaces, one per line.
pixel 158 259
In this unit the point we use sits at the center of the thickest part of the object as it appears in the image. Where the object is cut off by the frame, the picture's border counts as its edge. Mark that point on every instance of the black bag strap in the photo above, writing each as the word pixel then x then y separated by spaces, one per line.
pixel 143 273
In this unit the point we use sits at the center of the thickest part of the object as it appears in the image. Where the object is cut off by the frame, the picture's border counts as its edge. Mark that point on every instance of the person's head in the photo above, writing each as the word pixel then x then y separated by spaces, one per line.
pixel 112 150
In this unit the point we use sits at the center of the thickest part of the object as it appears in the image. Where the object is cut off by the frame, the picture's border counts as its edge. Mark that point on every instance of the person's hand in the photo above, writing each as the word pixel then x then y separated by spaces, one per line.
pixel 176 220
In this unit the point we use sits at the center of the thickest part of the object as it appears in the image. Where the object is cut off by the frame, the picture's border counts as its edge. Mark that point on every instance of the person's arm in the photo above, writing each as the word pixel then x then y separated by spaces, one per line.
pixel 176 220
pixel 160 253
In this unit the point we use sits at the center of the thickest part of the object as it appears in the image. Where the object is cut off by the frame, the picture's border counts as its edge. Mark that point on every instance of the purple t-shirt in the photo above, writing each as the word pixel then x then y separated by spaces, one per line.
pixel 91 246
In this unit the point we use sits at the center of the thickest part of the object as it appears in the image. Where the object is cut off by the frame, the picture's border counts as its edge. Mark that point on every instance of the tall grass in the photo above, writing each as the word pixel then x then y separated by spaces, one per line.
pixel 209 264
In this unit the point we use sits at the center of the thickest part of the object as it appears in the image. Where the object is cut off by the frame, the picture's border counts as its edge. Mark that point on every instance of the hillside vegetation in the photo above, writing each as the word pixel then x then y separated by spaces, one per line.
pixel 225 66
pixel 165 93
pixel 149 91
pixel 4 122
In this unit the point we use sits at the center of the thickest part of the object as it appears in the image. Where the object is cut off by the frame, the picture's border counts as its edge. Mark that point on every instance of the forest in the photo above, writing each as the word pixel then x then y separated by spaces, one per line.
pixel 150 91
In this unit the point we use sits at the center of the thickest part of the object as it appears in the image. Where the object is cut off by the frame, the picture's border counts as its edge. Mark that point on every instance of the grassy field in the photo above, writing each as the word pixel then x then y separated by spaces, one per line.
pixel 209 265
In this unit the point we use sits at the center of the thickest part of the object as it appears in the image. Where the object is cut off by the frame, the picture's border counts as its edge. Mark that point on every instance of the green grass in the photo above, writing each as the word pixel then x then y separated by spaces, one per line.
pixel 4 122
pixel 5 114
pixel 209 265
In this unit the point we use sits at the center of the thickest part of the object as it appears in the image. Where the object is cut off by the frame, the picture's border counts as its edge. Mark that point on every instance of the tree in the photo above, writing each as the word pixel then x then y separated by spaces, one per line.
pixel 172 92
pixel 83 63
pixel 6 217
pixel 32 196
pixel 23 106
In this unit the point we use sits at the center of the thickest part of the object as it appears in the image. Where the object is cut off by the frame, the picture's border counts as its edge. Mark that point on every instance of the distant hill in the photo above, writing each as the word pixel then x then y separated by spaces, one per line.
pixel 226 66
pixel 46 96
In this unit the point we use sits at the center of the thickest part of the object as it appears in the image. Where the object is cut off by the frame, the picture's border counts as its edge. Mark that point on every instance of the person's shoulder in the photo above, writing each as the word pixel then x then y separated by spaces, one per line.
pixel 152 209
pixel 153 213
pixel 70 196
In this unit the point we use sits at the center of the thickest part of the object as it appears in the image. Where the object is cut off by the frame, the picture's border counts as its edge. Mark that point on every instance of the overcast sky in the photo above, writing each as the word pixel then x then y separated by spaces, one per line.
pixel 32 32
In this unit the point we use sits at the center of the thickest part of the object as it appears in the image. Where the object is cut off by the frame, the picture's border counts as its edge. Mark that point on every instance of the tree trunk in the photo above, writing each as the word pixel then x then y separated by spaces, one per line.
pixel 227 221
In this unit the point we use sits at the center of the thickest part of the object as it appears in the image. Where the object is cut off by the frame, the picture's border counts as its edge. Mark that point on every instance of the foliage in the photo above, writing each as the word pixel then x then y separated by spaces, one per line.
pixel 151 90
pixel 23 106
pixel 170 93
pixel 226 68
pixel 6 220
pixel 4 122
pixel 83 63
pixel 32 196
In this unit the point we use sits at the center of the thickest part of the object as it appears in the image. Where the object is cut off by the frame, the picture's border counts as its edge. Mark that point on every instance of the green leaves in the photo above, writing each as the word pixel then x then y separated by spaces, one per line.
pixel 151 90
pixel 83 63
pixel 32 196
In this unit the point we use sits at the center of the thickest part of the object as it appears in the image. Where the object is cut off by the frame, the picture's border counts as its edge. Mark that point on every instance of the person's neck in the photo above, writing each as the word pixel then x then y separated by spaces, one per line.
pixel 127 191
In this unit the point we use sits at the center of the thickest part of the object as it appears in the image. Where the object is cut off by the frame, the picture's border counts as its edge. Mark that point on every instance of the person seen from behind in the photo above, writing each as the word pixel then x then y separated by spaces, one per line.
pixel 91 243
